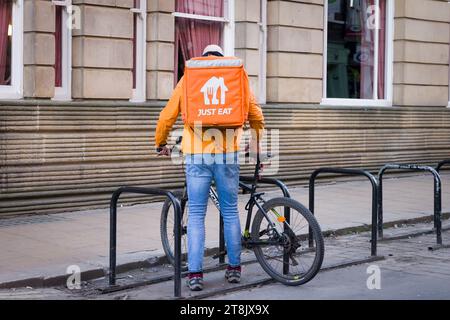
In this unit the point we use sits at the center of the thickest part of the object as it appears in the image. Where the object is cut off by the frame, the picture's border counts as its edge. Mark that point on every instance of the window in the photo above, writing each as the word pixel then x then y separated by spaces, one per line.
pixel 63 50
pixel 139 50
pixel 11 49
pixel 199 23
pixel 358 44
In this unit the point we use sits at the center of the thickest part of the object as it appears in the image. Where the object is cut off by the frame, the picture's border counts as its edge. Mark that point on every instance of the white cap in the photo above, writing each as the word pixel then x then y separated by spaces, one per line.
pixel 213 48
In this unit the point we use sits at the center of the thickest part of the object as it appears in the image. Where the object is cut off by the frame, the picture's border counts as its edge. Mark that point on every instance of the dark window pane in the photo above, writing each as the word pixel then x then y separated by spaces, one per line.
pixel 58 45
pixel 351 49
pixel 193 35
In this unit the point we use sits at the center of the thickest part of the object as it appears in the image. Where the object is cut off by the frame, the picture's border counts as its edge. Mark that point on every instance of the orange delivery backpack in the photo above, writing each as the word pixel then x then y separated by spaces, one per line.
pixel 215 92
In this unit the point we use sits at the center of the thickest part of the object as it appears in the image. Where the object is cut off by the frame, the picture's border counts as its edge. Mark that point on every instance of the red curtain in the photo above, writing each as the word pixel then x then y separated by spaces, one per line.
pixel 137 5
pixel 382 51
pixel 58 45
pixel 191 35
pixel 5 44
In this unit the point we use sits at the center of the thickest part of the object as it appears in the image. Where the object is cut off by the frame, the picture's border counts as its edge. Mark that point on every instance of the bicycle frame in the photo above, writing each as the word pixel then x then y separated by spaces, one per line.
pixel 276 231
pixel 255 199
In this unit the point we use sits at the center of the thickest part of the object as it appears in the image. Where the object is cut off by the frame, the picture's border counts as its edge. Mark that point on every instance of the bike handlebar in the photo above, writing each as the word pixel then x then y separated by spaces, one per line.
pixel 261 157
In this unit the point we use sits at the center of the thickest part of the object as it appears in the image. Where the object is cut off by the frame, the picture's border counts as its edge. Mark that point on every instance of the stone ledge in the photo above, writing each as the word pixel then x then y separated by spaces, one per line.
pixel 161 103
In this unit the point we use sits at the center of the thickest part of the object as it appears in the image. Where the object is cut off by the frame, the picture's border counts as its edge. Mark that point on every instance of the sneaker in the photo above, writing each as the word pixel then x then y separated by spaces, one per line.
pixel 233 274
pixel 195 281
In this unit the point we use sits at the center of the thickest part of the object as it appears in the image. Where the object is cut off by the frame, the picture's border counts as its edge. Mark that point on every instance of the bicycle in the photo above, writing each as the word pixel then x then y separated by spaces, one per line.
pixel 272 236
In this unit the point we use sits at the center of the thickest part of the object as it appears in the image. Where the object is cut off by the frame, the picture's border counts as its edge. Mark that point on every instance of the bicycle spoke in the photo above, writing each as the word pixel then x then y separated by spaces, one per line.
pixel 291 258
pixel 170 234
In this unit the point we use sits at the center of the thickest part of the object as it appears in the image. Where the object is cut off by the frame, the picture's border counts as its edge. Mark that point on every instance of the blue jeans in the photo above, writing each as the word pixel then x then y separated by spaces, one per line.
pixel 201 169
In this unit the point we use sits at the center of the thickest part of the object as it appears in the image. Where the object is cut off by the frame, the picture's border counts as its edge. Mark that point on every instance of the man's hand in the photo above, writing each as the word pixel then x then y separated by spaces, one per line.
pixel 163 151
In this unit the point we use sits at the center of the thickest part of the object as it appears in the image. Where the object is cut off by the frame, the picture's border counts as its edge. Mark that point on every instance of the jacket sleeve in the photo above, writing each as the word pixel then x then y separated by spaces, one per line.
pixel 255 115
pixel 169 115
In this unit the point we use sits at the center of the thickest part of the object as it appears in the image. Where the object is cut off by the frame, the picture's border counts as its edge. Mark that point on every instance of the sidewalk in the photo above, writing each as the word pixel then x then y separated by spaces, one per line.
pixel 44 246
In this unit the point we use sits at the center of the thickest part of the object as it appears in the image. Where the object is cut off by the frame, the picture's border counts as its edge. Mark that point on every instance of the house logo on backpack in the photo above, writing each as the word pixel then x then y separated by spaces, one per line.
pixel 211 87
pixel 215 92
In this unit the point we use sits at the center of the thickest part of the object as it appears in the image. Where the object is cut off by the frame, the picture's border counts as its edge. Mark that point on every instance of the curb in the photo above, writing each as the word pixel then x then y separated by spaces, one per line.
pixel 61 280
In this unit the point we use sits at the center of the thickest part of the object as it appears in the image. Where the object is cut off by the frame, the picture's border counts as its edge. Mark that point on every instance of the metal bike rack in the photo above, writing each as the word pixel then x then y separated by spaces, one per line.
pixel 248 179
pixel 437 196
pixel 113 232
pixel 441 164
pixel 357 172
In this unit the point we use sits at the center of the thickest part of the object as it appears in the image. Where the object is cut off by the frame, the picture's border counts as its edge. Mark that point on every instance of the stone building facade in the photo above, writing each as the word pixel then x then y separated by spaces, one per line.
pixel 102 49
pixel 78 104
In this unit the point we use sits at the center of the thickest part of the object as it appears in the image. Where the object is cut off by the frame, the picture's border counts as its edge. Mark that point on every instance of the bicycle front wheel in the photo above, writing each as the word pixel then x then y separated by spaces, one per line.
pixel 167 230
pixel 293 253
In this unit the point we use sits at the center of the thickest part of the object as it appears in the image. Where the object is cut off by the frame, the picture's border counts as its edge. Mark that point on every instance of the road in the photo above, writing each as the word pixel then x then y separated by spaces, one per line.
pixel 351 283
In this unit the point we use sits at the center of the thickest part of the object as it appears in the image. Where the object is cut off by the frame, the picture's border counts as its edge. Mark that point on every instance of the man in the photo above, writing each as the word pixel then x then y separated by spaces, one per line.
pixel 209 157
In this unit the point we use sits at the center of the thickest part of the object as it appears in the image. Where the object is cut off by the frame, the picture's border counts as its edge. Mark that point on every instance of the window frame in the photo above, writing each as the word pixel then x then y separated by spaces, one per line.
pixel 15 89
pixel 228 19
pixel 64 93
pixel 389 67
pixel 139 92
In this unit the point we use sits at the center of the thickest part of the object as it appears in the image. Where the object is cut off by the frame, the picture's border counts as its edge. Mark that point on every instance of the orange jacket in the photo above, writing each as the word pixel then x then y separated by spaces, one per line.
pixel 193 141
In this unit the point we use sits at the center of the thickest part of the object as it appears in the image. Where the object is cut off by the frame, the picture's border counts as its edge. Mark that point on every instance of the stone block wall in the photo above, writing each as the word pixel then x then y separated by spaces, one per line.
pixel 421 52
pixel 160 49
pixel 247 43
pixel 295 51
pixel 39 49
pixel 103 50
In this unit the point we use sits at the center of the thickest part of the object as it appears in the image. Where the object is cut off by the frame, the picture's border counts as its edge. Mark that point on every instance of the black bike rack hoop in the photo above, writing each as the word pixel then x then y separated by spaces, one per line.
pixel 113 232
pixel 437 195
pixel 441 164
pixel 355 172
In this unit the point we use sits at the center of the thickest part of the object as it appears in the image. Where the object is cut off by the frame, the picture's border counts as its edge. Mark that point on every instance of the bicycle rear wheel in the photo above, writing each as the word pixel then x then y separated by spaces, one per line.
pixel 167 230
pixel 296 256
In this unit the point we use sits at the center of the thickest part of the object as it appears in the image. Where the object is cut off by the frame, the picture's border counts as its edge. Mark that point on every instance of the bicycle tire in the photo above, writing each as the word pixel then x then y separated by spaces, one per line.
pixel 289 280
pixel 167 247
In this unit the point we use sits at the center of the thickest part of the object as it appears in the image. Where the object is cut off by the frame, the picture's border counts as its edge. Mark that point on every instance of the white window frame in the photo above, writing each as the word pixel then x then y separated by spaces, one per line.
pixel 389 68
pixel 15 89
pixel 228 28
pixel 64 93
pixel 139 93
